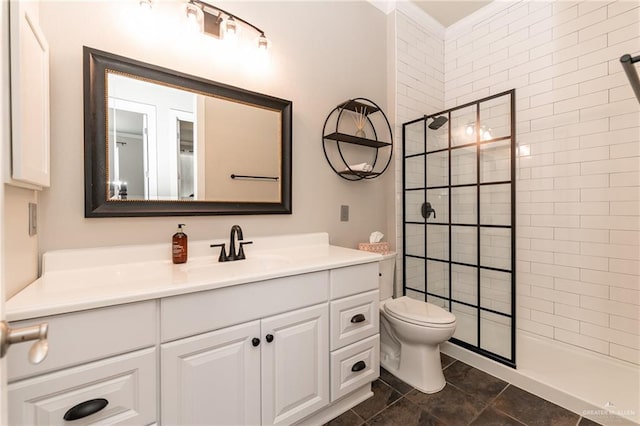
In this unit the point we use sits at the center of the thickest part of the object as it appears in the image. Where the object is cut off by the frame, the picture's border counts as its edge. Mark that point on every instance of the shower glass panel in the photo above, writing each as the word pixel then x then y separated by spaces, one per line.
pixel 414 139
pixel 495 164
pixel 414 240
pixel 495 204
pixel 464 245
pixel 464 284
pixel 464 206
pixel 438 242
pixel 437 169
pixel 415 273
pixel 438 139
pixel 464 164
pixel 414 172
pixel 438 279
pixel 459 220
pixel 466 324
pixel 464 125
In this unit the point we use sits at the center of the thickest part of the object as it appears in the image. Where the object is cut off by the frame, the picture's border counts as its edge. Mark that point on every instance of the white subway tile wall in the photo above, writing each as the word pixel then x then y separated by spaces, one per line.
pixel 578 159
pixel 419 90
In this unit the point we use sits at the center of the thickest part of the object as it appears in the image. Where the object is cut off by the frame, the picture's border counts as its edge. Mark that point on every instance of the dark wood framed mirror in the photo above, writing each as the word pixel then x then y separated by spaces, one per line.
pixel 163 143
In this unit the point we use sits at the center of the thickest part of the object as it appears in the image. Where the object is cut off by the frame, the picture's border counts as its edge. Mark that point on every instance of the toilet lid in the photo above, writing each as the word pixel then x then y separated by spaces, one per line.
pixel 416 311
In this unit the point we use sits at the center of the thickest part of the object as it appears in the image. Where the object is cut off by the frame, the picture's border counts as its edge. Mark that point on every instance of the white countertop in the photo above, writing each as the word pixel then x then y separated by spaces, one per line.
pixel 75 280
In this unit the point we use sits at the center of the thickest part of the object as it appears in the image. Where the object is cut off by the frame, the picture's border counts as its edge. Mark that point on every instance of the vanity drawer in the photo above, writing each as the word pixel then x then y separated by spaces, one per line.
pixel 201 312
pixel 353 318
pixel 354 366
pixel 127 382
pixel 354 279
pixel 85 336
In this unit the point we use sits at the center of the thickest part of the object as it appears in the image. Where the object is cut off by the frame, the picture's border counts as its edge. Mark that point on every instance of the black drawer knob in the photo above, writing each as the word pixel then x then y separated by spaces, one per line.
pixel 359 366
pixel 85 409
pixel 255 341
pixel 357 318
pixel 269 338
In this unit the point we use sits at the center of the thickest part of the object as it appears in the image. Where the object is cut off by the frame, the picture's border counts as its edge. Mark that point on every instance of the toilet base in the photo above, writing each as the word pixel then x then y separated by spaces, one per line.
pixel 418 366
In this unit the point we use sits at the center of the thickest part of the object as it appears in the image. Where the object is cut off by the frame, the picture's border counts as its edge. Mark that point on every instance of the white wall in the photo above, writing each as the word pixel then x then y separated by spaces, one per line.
pixel 578 226
pixel 18 260
pixel 578 173
pixel 322 54
pixel 578 166
pixel 419 83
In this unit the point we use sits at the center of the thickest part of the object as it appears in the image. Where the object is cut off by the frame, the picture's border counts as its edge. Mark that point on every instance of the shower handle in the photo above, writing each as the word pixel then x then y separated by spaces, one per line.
pixel 427 210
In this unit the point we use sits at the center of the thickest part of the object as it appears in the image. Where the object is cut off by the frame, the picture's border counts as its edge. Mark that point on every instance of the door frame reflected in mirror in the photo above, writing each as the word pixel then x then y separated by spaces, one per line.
pixel 97 65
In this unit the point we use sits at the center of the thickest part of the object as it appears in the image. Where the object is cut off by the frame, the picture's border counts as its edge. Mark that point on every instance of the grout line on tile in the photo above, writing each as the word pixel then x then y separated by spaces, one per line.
pixel 358 416
pixel 508 415
pixel 450 364
pixel 385 408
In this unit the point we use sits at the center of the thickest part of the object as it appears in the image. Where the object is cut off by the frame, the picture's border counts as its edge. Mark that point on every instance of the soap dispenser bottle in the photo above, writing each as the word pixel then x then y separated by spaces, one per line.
pixel 179 245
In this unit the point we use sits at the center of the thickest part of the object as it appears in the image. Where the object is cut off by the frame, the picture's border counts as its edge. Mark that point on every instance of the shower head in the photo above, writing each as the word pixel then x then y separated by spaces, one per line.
pixel 438 122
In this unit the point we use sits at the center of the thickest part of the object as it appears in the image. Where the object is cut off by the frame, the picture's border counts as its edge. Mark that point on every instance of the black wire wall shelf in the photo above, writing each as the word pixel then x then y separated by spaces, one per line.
pixel 366 111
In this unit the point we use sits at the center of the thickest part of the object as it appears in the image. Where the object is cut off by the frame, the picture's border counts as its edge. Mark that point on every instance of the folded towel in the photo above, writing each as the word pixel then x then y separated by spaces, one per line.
pixel 361 167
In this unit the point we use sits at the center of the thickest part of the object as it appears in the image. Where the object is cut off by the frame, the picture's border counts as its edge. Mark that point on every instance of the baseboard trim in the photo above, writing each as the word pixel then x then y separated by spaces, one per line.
pixel 543 364
pixel 338 407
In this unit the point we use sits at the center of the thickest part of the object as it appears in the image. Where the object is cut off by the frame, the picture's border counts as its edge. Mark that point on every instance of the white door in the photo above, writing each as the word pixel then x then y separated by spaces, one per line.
pixel 134 123
pixel 5 136
pixel 295 364
pixel 212 378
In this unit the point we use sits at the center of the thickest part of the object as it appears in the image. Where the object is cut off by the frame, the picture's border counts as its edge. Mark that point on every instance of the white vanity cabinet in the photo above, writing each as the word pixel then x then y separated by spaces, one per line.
pixel 355 342
pixel 296 347
pixel 97 356
pixel 295 365
pixel 274 370
pixel 225 377
pixel 212 378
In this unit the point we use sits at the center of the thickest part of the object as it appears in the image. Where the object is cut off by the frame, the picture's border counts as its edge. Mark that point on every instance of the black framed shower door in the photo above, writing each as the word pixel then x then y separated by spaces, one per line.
pixel 459 220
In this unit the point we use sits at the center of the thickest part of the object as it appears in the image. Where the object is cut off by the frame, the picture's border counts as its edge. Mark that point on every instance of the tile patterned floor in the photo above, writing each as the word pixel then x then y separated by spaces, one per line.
pixel 470 397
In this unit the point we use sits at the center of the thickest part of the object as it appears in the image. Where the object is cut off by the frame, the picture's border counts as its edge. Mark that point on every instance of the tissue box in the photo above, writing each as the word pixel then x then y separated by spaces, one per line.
pixel 382 248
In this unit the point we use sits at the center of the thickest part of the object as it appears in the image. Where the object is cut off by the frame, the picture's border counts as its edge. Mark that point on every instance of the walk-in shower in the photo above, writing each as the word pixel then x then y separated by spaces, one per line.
pixel 459 220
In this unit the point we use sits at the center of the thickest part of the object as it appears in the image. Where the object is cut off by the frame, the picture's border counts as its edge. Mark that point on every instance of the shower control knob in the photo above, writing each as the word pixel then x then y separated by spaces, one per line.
pixel 255 341
pixel 9 336
pixel 269 338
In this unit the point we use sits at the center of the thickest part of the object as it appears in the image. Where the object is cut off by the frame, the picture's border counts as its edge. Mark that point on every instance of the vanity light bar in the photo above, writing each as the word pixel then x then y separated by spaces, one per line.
pixel 213 18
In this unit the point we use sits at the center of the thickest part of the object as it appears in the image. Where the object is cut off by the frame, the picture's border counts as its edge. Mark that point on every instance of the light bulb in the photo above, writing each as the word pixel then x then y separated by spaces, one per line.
pixel 146 4
pixel 193 17
pixel 469 129
pixel 232 30
pixel 263 43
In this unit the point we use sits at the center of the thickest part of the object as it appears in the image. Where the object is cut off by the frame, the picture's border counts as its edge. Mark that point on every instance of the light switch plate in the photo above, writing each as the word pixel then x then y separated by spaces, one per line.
pixel 344 213
pixel 33 219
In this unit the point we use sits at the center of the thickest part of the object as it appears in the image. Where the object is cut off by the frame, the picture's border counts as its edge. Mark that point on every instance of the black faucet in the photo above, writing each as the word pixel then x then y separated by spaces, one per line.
pixel 236 231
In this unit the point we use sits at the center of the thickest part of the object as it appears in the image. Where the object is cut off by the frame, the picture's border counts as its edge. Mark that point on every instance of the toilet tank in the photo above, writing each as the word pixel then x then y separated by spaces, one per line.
pixel 387 272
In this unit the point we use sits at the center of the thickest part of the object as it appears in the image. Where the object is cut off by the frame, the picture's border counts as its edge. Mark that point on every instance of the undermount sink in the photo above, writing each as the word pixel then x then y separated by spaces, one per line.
pixel 258 262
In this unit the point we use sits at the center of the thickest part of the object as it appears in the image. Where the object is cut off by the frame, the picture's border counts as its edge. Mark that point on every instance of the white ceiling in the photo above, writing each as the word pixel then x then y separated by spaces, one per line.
pixel 449 11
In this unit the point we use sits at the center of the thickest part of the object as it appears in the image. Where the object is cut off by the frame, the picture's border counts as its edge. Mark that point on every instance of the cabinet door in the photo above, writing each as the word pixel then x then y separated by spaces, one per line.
pixel 212 378
pixel 295 364
pixel 29 96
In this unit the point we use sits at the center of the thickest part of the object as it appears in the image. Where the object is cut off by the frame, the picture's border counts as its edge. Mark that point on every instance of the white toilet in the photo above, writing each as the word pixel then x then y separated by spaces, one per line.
pixel 410 334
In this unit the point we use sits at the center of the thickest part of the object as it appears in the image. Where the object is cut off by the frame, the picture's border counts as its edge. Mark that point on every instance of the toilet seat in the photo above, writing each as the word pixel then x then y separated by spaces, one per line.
pixel 419 313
